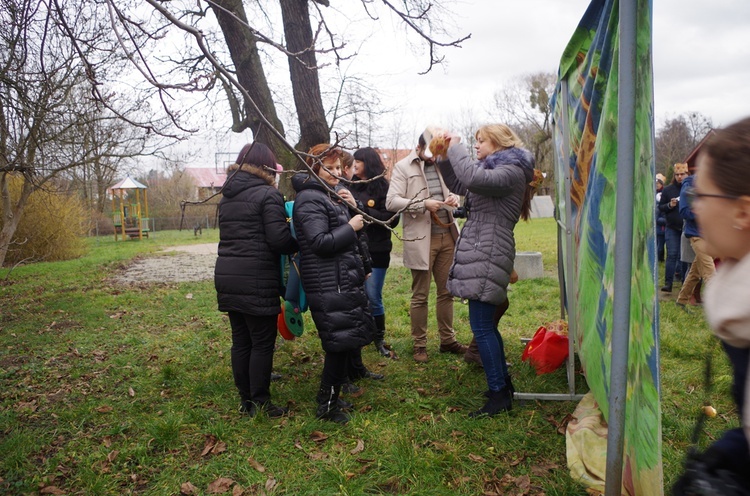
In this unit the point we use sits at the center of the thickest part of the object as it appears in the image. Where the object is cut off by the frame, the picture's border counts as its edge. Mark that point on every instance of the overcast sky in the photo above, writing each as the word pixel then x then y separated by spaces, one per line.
pixel 701 55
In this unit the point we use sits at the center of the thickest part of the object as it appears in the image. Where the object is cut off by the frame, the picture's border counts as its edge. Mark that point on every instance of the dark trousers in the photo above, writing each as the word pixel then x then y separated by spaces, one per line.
pixel 355 368
pixel 253 340
pixel 673 265
pixel 335 368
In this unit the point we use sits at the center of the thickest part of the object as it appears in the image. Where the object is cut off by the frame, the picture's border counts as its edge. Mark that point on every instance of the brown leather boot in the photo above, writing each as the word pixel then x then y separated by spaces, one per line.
pixel 455 347
pixel 420 354
pixel 472 354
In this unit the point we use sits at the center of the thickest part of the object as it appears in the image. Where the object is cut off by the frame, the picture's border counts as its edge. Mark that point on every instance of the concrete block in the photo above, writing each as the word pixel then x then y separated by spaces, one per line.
pixel 528 265
pixel 542 206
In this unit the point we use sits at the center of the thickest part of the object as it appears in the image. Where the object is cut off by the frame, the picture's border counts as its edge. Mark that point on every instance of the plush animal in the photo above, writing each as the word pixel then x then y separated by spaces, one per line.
pixel 439 145
pixel 437 140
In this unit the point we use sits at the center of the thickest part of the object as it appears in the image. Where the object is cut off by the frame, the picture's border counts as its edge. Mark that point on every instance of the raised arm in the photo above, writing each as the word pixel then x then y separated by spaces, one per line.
pixel 500 181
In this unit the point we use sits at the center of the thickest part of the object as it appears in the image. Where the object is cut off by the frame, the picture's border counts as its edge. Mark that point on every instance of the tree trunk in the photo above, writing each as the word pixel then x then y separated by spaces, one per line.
pixel 11 213
pixel 304 74
pixel 244 52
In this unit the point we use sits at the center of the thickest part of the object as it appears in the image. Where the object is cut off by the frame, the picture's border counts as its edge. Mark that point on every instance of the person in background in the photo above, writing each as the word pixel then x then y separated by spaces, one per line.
pixel 661 221
pixel 669 206
pixel 702 267
pixel 333 274
pixel 347 163
pixel 720 200
pixel 372 194
pixel 418 191
pixel 498 187
pixel 253 233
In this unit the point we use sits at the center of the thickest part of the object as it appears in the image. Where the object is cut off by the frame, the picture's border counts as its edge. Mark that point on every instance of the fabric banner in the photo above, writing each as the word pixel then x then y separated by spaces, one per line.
pixel 589 65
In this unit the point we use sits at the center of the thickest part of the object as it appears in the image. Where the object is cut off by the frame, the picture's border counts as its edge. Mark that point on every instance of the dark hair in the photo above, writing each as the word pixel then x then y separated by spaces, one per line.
pixel 324 154
pixel 729 151
pixel 373 163
pixel 257 154
pixel 422 143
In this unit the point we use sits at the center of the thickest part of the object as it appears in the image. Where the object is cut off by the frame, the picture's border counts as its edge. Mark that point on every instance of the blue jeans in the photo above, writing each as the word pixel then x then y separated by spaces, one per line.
pixel 374 289
pixel 672 240
pixel 490 343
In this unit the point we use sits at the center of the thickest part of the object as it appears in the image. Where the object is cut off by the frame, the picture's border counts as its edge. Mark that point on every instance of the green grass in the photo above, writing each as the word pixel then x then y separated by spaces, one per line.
pixel 111 389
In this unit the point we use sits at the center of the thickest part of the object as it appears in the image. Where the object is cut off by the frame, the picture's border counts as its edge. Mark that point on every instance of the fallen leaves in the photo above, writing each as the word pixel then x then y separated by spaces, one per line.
pixel 220 486
pixel 318 436
pixel 256 464
pixel 359 448
pixel 188 489
pixel 213 446
pixel 51 490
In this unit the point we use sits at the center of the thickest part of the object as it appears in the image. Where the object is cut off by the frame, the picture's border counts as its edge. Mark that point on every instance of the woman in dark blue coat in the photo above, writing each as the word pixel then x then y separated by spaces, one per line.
pixel 332 272
pixel 253 234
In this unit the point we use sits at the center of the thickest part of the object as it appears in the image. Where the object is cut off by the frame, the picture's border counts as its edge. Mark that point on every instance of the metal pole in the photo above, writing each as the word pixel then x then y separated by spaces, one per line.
pixel 618 381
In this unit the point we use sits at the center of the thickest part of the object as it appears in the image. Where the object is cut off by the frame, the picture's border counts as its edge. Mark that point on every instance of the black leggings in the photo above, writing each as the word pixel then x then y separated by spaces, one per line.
pixel 253 340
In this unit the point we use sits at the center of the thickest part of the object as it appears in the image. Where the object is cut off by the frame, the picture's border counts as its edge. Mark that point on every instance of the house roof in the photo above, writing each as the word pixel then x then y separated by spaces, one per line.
pixel 691 158
pixel 206 177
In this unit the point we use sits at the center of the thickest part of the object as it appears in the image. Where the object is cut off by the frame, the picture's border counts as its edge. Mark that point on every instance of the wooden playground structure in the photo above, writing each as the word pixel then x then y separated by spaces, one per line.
pixel 130 209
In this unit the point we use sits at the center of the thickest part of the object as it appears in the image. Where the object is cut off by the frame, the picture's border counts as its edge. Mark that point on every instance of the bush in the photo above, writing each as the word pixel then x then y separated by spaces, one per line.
pixel 50 229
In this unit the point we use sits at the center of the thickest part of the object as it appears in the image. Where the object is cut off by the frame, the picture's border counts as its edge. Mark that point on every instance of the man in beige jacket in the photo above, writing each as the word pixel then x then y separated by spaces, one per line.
pixel 430 232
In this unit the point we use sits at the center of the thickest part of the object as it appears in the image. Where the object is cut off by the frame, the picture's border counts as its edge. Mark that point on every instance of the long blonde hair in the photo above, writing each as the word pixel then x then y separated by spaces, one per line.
pixel 503 137
pixel 499 135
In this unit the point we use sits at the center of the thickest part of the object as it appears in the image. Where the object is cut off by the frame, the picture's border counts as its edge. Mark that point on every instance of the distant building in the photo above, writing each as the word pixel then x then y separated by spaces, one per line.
pixel 691 158
pixel 390 157
pixel 207 181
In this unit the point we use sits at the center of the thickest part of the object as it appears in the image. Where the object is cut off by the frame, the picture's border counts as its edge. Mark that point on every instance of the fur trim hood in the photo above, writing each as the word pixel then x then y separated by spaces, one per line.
pixel 256 170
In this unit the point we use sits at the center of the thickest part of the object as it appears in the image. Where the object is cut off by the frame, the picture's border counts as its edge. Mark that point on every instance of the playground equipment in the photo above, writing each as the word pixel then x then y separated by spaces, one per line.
pixel 129 215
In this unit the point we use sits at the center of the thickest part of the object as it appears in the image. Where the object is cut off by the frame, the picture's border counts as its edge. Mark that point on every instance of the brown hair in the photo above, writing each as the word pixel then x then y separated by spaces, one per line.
pixel 729 151
pixel 257 154
pixel 347 159
pixel 324 153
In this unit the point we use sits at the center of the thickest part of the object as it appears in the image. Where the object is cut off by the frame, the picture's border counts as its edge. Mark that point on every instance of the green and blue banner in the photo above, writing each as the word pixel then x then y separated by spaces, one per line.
pixel 586 113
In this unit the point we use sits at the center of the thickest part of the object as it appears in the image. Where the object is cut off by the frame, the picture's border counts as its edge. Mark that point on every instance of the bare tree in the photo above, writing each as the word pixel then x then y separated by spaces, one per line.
pixel 525 106
pixel 233 60
pixel 48 124
pixel 677 138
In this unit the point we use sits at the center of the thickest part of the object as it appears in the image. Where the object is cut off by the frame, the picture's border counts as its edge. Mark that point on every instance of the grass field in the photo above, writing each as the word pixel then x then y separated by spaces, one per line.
pixel 112 389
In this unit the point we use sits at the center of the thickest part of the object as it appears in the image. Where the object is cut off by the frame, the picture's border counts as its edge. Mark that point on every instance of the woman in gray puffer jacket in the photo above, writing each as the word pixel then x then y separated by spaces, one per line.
pixel 497 194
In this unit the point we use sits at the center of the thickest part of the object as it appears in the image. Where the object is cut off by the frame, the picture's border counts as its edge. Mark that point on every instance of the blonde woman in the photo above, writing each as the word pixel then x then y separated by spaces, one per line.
pixel 498 193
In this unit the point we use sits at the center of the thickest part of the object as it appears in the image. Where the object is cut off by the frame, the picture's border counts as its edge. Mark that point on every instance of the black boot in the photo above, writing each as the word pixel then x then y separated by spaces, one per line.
pixel 252 409
pixel 497 401
pixel 328 404
pixel 379 341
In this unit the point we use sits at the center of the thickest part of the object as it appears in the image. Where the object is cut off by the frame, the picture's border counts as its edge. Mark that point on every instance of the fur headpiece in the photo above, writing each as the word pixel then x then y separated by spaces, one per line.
pixel 681 168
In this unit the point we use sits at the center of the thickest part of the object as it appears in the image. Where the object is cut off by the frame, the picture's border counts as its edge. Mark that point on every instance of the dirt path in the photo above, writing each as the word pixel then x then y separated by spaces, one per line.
pixel 183 264
pixel 174 264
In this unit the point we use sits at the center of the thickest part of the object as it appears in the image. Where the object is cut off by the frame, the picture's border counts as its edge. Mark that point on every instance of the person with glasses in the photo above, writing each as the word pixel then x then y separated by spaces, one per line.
pixel 720 201
pixel 669 206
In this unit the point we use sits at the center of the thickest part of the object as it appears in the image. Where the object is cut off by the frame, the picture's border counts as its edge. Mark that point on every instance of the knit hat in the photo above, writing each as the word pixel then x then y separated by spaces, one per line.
pixel 681 168
pixel 660 178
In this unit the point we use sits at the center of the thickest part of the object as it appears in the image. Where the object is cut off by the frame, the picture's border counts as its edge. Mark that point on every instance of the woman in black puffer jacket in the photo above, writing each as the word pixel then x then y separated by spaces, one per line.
pixel 253 234
pixel 333 274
